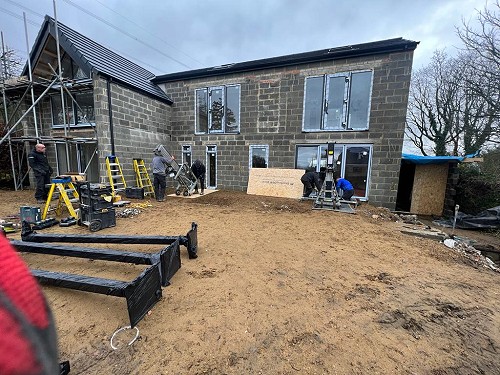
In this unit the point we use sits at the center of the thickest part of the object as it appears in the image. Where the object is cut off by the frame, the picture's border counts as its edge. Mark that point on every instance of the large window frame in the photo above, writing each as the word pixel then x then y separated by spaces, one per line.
pixel 83 106
pixel 353 161
pixel 258 156
pixel 217 109
pixel 337 102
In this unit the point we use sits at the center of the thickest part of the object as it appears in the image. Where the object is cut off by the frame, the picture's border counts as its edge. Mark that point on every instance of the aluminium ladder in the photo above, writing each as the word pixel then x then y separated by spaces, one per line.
pixel 142 177
pixel 115 174
pixel 67 196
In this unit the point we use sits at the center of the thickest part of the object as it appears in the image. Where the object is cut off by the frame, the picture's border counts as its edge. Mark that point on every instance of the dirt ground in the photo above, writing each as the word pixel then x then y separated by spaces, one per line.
pixel 279 288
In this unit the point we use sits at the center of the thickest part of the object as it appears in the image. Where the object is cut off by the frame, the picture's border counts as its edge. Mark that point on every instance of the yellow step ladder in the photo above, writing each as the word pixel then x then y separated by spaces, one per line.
pixel 142 177
pixel 115 174
pixel 67 196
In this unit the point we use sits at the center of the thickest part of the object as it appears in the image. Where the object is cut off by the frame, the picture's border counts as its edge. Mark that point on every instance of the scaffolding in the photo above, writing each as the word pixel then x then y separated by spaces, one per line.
pixel 20 141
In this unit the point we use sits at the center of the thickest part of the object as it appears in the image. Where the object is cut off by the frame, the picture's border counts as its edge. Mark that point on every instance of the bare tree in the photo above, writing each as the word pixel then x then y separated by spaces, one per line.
pixel 10 63
pixel 482 45
pixel 454 103
pixel 433 105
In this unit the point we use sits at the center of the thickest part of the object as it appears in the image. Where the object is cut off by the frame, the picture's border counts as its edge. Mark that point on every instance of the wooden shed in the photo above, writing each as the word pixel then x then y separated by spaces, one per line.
pixel 427 184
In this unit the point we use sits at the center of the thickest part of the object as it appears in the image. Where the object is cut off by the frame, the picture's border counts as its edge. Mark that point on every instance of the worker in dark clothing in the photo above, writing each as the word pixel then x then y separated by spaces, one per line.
pixel 344 188
pixel 42 171
pixel 311 181
pixel 199 170
pixel 159 167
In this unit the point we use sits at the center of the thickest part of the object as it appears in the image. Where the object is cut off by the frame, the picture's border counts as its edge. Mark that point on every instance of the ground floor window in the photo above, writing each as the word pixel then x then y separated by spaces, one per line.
pixel 82 158
pixel 353 162
pixel 211 167
pixel 259 156
pixel 186 155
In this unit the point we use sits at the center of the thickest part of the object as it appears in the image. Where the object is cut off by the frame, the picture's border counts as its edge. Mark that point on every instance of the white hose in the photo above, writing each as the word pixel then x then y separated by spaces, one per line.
pixel 122 329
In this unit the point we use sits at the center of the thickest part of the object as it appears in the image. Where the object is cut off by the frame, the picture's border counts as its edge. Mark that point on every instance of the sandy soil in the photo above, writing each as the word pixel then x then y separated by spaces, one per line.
pixel 279 288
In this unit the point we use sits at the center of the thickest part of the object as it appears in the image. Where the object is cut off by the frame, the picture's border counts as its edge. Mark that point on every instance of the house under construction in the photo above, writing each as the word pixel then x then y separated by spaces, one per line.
pixel 279 112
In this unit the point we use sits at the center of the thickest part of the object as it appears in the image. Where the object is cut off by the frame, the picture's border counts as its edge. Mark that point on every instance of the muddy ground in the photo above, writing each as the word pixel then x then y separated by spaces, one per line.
pixel 279 288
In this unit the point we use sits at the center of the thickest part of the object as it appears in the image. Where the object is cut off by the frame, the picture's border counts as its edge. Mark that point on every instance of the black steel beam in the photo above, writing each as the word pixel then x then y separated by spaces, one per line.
pixel 168 259
pixel 141 294
pixel 190 240
pixel 84 252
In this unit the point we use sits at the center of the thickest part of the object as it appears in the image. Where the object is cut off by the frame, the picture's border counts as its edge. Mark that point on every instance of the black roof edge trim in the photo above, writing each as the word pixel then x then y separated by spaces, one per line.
pixel 351 51
pixel 134 88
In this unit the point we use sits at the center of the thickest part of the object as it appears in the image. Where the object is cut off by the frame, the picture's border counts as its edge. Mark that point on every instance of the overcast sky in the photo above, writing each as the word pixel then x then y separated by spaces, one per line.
pixel 166 36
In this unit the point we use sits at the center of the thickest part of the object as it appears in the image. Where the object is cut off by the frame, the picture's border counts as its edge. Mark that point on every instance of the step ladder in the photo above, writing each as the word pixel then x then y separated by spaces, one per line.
pixel 142 177
pixel 65 192
pixel 115 174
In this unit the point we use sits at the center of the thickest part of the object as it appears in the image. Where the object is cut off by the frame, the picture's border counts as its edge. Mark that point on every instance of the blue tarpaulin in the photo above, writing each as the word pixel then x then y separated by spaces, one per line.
pixel 417 159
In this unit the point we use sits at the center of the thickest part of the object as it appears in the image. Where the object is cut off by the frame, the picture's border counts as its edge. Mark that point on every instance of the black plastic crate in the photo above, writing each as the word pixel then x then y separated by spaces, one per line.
pixel 97 203
pixel 95 189
pixel 97 220
pixel 134 192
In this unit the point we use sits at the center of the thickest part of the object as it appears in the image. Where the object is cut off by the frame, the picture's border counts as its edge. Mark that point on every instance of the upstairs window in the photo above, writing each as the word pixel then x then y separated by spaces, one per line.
pixel 71 70
pixel 337 102
pixel 218 110
pixel 79 113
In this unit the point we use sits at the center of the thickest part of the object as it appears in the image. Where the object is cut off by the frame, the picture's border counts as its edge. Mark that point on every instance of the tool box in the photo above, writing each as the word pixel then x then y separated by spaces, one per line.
pixel 30 214
pixel 97 219
pixel 96 206
pixel 134 192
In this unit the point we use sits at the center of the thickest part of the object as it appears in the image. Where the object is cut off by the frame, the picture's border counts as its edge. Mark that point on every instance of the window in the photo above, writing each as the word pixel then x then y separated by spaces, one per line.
pixel 218 110
pixel 83 106
pixel 352 161
pixel 211 166
pixel 83 158
pixel 337 102
pixel 186 154
pixel 259 156
pixel 71 70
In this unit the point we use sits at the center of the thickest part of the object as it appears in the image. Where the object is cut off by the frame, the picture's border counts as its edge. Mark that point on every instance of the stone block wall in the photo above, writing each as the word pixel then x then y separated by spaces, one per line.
pixel 140 123
pixel 271 113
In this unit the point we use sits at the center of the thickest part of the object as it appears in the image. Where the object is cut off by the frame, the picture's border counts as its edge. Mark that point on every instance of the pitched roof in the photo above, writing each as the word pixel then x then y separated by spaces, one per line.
pixel 91 56
pixel 356 50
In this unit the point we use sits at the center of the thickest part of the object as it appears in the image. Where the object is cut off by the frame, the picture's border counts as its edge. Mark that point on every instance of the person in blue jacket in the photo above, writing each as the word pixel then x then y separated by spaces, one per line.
pixel 344 188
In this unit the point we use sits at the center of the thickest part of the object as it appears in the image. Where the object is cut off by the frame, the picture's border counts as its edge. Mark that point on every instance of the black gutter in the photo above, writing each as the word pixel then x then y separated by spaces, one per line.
pixel 110 111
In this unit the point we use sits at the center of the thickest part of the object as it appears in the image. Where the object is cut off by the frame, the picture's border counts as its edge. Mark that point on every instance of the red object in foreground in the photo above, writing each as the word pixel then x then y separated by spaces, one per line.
pixel 28 342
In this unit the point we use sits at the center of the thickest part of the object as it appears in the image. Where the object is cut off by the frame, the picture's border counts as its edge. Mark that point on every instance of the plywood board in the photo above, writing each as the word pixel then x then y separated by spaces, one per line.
pixel 275 182
pixel 429 188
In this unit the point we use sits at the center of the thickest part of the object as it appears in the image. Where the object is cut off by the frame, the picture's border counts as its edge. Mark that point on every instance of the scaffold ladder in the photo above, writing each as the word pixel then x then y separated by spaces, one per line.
pixel 115 174
pixel 142 177
pixel 67 196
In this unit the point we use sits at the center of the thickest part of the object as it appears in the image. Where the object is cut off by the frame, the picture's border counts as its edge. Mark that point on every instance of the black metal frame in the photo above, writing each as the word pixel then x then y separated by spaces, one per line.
pixel 190 240
pixel 167 259
pixel 141 294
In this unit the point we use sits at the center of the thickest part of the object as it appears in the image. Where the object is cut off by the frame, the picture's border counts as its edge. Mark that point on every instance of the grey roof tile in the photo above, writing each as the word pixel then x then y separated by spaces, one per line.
pixel 99 59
